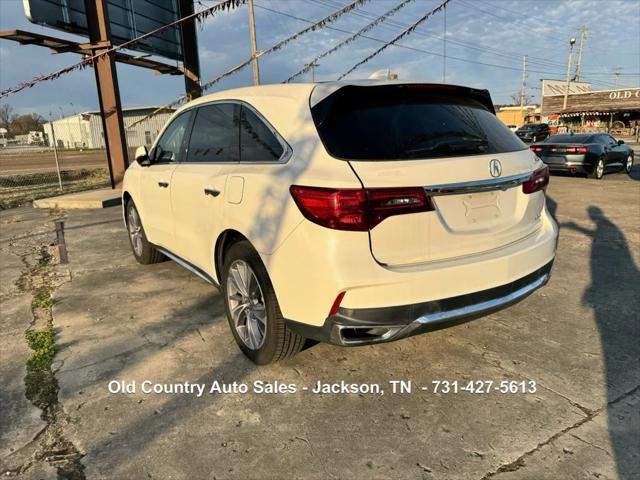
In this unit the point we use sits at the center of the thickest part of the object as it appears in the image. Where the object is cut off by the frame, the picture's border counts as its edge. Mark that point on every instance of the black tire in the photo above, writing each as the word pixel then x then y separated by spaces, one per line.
pixel 597 172
pixel 628 166
pixel 146 253
pixel 278 341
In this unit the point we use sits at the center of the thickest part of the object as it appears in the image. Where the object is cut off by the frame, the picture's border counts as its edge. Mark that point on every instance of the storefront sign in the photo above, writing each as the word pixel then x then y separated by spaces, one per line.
pixel 624 94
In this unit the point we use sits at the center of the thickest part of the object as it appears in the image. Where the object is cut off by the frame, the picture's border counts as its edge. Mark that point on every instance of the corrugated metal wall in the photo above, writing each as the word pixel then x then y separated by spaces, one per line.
pixel 84 130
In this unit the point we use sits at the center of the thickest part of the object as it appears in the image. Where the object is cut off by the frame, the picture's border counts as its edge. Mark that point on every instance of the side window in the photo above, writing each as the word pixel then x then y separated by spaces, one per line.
pixel 257 141
pixel 214 137
pixel 169 147
pixel 611 141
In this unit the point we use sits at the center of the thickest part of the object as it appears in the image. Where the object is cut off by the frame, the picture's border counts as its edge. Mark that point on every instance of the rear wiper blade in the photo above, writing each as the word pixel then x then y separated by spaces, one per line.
pixel 470 143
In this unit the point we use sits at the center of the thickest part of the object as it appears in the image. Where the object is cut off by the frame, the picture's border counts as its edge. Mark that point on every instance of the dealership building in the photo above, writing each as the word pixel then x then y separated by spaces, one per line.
pixel 84 130
pixel 615 111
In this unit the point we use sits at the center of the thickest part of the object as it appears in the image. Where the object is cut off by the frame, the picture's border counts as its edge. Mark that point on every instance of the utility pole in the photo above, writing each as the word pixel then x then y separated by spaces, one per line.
pixel 55 150
pixel 583 35
pixel 444 46
pixel 616 72
pixel 312 66
pixel 572 41
pixel 254 50
pixel 522 88
pixel 108 90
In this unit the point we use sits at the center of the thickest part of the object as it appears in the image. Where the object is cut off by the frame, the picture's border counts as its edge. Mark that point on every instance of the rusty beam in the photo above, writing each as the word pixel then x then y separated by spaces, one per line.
pixel 190 61
pixel 108 92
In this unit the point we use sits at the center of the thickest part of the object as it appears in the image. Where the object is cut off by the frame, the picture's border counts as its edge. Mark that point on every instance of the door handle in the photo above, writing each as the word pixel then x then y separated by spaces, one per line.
pixel 212 192
pixel 163 184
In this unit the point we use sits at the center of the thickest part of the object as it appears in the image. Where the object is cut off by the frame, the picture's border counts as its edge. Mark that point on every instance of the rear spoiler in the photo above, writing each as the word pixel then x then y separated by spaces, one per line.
pixel 322 91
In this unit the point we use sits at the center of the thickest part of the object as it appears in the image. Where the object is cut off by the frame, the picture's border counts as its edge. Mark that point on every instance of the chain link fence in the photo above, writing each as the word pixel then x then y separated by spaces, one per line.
pixel 29 172
pixel 60 161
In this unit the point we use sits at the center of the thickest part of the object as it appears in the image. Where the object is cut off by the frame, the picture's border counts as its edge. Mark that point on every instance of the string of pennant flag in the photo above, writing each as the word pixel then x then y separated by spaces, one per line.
pixel 205 86
pixel 90 60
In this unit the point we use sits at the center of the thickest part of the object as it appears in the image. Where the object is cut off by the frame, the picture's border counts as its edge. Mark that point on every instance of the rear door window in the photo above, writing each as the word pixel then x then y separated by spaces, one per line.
pixel 257 142
pixel 404 122
pixel 214 137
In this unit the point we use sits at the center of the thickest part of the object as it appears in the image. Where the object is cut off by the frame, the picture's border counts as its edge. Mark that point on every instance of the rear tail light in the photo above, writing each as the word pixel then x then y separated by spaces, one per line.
pixel 538 181
pixel 357 209
pixel 536 149
pixel 576 150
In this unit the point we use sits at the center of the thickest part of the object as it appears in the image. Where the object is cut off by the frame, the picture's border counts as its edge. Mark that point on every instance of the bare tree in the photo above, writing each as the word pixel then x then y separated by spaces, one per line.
pixel 515 98
pixel 6 114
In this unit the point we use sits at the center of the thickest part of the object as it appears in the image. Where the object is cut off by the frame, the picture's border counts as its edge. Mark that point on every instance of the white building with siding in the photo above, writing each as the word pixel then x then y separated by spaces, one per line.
pixel 84 130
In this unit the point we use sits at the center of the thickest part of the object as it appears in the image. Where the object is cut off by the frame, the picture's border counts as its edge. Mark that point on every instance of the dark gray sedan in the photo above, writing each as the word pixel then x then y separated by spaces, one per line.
pixel 592 154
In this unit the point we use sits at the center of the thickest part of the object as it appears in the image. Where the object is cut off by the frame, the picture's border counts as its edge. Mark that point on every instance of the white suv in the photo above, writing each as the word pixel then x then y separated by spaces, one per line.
pixel 351 213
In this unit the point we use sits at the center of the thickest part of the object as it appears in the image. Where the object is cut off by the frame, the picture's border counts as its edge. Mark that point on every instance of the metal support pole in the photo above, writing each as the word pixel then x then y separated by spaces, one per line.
pixel 254 50
pixel 444 46
pixel 108 91
pixel 583 34
pixel 190 60
pixel 55 150
pixel 522 87
pixel 312 66
pixel 568 80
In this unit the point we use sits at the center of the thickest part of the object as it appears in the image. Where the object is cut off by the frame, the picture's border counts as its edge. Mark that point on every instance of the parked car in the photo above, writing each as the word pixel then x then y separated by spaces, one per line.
pixel 592 154
pixel 533 132
pixel 350 213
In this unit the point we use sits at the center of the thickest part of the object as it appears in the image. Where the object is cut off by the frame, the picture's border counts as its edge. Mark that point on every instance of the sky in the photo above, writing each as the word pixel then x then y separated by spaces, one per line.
pixel 485 44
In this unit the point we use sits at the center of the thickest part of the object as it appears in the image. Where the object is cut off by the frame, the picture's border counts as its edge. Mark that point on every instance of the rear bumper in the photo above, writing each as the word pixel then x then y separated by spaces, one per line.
pixel 364 326
pixel 569 166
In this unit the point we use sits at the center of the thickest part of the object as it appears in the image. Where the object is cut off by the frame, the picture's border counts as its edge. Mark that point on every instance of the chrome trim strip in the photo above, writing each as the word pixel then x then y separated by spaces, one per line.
pixel 478 186
pixel 188 266
pixel 480 307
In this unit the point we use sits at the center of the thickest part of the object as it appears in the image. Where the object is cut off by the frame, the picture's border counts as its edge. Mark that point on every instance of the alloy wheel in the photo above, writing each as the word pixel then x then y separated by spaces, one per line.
pixel 629 164
pixel 135 230
pixel 246 304
pixel 600 169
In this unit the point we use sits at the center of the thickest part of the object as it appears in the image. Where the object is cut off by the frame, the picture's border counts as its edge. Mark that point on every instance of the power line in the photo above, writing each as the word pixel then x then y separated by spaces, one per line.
pixel 392 24
pixel 398 37
pixel 407 47
pixel 364 29
pixel 315 25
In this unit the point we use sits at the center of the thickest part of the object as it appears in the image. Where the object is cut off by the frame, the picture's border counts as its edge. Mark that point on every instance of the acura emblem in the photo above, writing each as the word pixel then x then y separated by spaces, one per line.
pixel 495 168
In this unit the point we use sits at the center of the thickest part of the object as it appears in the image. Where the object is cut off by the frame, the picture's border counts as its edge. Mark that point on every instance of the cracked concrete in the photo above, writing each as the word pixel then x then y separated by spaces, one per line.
pixel 577 338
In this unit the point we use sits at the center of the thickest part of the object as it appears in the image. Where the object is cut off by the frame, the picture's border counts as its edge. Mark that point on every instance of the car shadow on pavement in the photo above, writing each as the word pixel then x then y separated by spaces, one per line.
pixel 614 298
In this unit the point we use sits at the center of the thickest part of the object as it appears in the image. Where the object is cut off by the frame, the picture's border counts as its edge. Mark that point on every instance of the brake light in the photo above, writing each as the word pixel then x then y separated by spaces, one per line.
pixel 536 149
pixel 538 181
pixel 357 209
pixel 576 150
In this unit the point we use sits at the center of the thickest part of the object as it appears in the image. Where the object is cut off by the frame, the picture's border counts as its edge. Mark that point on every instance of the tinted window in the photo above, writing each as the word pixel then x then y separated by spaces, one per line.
pixel 257 142
pixel 405 122
pixel 169 147
pixel 569 139
pixel 214 137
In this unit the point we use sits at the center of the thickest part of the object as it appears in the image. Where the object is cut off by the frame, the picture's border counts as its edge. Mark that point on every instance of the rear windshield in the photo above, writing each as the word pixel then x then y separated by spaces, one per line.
pixel 402 123
pixel 568 139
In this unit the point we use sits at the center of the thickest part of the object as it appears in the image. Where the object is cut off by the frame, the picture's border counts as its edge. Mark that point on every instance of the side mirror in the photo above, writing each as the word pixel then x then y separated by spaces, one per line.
pixel 620 142
pixel 142 156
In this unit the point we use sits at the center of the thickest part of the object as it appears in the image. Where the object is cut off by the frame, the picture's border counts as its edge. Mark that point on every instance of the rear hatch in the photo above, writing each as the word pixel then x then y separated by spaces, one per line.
pixel 448 140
